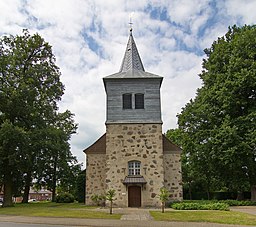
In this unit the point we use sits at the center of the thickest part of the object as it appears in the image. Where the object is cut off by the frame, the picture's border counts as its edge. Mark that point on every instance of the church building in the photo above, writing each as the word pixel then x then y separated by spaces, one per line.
pixel 133 157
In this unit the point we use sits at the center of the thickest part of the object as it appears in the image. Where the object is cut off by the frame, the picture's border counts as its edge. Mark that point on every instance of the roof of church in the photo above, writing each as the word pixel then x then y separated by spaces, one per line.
pixel 99 146
pixel 132 74
pixel 131 58
pixel 169 147
pixel 132 66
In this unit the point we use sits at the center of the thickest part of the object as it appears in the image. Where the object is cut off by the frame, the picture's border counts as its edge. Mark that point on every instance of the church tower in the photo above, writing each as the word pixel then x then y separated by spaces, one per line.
pixel 134 157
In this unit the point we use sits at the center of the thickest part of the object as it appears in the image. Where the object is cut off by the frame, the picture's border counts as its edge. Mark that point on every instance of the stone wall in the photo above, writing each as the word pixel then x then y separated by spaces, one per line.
pixel 129 142
pixel 173 176
pixel 95 176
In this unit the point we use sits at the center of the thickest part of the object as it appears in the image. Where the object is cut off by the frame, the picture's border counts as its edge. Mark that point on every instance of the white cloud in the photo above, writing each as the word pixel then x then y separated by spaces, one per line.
pixel 11 18
pixel 170 36
pixel 242 11
pixel 186 12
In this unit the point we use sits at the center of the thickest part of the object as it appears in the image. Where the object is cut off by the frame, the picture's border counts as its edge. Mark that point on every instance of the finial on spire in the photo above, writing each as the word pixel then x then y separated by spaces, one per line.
pixel 130 23
pixel 131 60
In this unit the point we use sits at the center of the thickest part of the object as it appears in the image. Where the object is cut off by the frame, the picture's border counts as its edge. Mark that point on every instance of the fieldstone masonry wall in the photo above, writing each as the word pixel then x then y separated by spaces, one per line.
pixel 173 176
pixel 129 142
pixel 95 176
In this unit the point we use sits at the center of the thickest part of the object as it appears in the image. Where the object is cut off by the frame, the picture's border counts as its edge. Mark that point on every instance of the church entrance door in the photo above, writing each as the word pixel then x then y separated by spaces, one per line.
pixel 134 196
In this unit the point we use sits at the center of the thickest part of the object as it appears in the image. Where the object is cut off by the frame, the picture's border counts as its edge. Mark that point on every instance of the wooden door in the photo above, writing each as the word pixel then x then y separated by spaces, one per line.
pixel 134 196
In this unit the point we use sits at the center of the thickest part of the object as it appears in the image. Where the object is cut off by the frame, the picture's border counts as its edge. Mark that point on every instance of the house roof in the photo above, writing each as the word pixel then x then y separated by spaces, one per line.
pixel 131 66
pixel 99 146
pixel 39 191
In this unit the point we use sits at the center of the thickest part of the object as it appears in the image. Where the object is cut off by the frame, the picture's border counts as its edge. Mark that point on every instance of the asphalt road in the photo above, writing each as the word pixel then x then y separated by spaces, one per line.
pixel 10 224
pixel 132 218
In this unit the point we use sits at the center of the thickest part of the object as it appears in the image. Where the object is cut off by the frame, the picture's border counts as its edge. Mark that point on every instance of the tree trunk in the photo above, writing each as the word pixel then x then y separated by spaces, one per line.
pixel 27 188
pixel 7 191
pixel 53 194
pixel 240 196
pixel 190 192
pixel 253 193
pixel 163 205
pixel 54 179
pixel 111 204
pixel 208 194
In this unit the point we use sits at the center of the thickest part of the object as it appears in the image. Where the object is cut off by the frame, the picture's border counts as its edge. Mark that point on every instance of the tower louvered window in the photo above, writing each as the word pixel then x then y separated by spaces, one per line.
pixel 127 101
pixel 139 101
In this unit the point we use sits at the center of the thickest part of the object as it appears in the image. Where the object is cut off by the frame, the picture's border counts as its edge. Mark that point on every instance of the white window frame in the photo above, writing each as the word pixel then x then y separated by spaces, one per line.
pixel 134 168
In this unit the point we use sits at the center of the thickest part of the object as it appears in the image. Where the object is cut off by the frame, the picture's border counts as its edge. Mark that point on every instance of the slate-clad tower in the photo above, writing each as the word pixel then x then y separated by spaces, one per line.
pixel 133 157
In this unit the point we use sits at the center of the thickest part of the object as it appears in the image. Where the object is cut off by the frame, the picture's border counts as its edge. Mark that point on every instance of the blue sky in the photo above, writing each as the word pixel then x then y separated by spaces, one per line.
pixel 89 39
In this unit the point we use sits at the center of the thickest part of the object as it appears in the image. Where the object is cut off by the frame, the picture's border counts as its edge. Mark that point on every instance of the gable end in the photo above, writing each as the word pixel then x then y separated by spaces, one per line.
pixel 98 147
pixel 169 147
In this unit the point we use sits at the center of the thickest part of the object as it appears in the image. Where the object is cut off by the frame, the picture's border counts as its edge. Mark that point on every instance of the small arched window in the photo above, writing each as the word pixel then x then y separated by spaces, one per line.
pixel 134 168
pixel 127 101
pixel 139 101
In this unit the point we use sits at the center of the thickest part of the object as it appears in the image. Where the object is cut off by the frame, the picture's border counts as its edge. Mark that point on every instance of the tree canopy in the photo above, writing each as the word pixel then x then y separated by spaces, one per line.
pixel 219 126
pixel 32 131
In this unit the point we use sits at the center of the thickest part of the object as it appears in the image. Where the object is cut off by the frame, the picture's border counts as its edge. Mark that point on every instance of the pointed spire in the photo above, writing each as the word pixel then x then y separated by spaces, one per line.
pixel 131 58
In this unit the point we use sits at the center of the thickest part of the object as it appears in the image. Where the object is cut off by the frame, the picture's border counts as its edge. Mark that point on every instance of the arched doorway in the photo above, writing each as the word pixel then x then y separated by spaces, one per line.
pixel 134 196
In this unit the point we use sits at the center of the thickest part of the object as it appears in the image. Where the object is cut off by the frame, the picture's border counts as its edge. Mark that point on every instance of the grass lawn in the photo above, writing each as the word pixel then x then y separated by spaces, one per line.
pixel 222 217
pixel 49 209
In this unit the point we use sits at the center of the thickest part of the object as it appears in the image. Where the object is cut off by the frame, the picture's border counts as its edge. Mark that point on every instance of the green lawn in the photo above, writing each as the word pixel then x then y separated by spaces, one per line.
pixel 76 210
pixel 222 217
pixel 71 210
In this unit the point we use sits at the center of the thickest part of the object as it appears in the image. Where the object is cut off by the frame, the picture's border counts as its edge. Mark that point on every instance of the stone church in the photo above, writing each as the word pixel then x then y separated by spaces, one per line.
pixel 133 157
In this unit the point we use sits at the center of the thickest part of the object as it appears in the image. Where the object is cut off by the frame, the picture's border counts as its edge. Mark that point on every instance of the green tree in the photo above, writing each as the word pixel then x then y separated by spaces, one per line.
pixel 11 148
pixel 176 136
pixel 193 175
pixel 219 123
pixel 164 197
pixel 110 197
pixel 80 186
pixel 30 88
pixel 58 166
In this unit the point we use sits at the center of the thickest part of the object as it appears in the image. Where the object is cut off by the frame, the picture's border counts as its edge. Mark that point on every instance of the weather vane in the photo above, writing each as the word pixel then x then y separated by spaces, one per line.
pixel 130 23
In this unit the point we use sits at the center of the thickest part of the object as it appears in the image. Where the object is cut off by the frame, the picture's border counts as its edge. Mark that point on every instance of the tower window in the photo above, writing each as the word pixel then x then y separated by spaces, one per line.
pixel 139 101
pixel 127 101
pixel 134 168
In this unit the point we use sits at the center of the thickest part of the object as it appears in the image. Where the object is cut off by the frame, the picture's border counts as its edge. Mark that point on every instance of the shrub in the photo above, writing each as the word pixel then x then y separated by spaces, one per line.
pixel 95 199
pixel 65 197
pixel 200 206
pixel 231 202
pixel 99 200
pixel 217 206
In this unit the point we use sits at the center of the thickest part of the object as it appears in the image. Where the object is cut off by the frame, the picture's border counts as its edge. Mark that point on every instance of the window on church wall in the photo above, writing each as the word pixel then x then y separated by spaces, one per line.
pixel 127 101
pixel 134 168
pixel 139 101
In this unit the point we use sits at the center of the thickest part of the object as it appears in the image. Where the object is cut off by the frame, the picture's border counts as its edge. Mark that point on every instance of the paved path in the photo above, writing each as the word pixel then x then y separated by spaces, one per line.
pixel 132 217
pixel 245 209
pixel 136 214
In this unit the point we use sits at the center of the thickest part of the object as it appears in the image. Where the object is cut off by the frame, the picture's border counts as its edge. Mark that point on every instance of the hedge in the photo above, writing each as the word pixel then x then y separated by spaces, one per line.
pixel 231 202
pixel 216 195
pixel 200 206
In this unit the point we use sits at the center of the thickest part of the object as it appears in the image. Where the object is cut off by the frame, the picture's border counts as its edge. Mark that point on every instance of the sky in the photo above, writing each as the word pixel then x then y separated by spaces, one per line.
pixel 89 37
